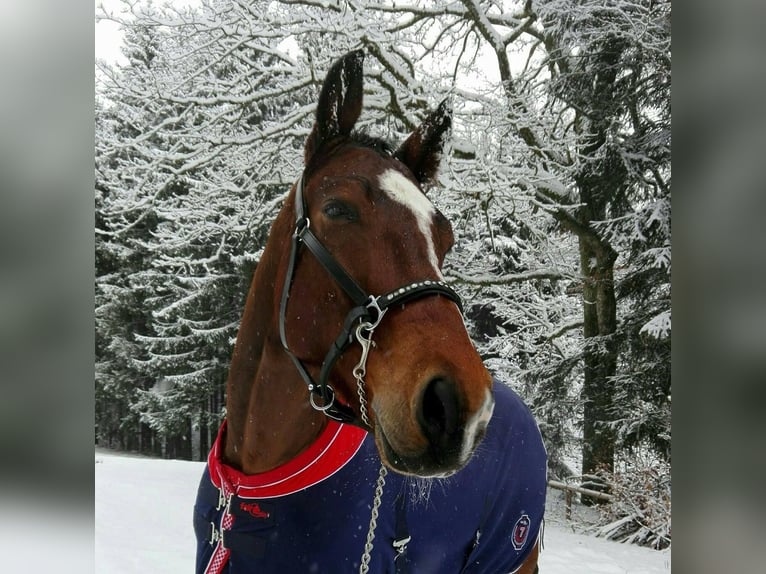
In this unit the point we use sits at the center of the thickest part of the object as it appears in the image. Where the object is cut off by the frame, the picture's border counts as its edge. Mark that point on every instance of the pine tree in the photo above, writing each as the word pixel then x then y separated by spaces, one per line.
pixel 612 69
pixel 121 309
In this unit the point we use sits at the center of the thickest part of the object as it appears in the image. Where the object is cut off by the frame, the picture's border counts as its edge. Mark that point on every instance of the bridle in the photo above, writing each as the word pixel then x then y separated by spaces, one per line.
pixel 359 324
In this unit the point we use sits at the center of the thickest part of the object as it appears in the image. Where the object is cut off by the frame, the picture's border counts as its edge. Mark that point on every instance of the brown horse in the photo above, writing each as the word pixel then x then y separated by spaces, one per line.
pixel 348 318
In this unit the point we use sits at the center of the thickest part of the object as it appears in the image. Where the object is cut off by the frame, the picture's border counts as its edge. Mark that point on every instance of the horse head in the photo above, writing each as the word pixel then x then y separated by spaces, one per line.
pixel 424 392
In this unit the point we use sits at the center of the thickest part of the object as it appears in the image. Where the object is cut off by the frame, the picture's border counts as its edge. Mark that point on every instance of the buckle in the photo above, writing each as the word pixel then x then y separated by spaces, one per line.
pixel 301 226
pixel 323 408
pixel 376 313
pixel 401 546
pixel 216 535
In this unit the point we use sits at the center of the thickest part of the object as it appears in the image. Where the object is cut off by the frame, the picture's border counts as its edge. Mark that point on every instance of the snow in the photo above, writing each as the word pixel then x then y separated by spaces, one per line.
pixel 659 326
pixel 144 514
pixel 572 553
pixel 143 523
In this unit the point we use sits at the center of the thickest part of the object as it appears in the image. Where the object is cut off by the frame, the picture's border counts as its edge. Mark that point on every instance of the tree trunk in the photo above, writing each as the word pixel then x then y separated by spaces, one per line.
pixel 601 183
pixel 600 362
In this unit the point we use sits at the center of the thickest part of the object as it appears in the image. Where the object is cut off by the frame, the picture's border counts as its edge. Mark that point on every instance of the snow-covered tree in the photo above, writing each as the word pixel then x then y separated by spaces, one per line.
pixel 557 184
pixel 609 66
pixel 120 312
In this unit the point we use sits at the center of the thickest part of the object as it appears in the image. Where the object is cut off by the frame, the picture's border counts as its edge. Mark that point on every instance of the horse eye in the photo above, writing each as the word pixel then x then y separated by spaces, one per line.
pixel 336 209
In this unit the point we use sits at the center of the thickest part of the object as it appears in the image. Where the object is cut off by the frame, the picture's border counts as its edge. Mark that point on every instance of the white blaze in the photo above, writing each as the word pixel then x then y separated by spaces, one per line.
pixel 403 191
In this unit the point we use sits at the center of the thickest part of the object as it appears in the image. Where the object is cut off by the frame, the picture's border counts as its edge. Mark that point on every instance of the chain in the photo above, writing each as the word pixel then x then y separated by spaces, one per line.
pixel 363 334
pixel 361 369
pixel 364 567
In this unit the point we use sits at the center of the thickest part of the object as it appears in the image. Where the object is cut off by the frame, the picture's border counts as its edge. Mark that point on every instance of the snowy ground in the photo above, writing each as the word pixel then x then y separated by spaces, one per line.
pixel 144 515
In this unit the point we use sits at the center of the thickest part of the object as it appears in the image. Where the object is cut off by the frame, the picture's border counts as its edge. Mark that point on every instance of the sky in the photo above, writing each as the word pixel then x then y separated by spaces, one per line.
pixel 108 36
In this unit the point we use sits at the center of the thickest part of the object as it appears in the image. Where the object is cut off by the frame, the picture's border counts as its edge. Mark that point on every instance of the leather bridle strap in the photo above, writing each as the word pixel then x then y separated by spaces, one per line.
pixel 367 308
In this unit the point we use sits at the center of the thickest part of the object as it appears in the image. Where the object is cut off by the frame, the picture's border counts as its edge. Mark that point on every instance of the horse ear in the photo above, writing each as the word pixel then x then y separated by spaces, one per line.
pixel 422 150
pixel 340 102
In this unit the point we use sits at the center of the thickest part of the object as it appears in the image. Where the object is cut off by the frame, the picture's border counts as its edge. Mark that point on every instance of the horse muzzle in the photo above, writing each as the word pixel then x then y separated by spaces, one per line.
pixel 445 435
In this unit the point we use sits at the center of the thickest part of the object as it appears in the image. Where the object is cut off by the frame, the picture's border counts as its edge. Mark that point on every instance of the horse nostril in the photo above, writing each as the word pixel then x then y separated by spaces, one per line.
pixel 439 416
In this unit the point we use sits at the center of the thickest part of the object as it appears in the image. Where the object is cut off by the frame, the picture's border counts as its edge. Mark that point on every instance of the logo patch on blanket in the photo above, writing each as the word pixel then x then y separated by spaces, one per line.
pixel 254 509
pixel 520 532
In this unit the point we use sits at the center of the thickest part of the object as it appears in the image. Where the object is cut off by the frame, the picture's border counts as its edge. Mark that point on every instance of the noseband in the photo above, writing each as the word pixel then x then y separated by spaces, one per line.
pixel 360 322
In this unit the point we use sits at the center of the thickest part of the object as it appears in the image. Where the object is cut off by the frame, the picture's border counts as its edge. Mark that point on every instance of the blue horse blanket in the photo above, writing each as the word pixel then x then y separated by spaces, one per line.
pixel 312 514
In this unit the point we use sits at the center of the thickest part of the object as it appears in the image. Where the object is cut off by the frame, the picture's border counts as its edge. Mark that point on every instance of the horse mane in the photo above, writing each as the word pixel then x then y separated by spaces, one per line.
pixel 359 138
pixel 381 145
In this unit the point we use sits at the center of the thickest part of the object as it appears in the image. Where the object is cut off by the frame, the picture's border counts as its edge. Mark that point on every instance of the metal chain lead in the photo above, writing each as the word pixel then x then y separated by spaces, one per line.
pixel 364 567
pixel 361 369
pixel 363 335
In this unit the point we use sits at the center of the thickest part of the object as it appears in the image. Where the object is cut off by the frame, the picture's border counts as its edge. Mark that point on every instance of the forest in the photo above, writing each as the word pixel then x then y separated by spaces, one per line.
pixel 556 180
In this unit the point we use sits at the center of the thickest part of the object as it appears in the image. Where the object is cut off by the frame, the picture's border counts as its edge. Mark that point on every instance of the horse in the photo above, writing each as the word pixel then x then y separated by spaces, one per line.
pixel 352 360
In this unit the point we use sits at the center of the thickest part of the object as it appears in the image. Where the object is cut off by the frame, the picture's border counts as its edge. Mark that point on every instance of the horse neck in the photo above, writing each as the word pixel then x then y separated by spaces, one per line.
pixel 269 418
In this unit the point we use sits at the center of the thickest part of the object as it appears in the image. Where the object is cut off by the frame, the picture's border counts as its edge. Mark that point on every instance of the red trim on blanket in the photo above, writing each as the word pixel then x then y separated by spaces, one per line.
pixel 334 448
